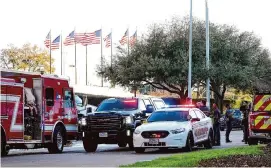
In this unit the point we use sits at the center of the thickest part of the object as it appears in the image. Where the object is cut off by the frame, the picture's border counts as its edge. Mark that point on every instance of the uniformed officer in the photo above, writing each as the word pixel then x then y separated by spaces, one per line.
pixel 245 110
pixel 229 119
pixel 216 124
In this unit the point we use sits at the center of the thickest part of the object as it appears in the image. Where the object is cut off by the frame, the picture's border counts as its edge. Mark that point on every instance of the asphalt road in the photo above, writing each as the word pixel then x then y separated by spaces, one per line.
pixel 106 155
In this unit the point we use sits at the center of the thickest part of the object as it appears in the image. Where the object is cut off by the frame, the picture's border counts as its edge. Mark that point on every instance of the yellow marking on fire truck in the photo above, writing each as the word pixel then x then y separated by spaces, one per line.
pixel 261 102
pixel 266 124
pixel 258 119
pixel 268 108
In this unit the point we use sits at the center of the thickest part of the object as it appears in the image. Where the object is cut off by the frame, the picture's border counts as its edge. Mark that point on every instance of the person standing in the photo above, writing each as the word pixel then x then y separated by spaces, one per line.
pixel 204 108
pixel 245 110
pixel 228 117
pixel 216 125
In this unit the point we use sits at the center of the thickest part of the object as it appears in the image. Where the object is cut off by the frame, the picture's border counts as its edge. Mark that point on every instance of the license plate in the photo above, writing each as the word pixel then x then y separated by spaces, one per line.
pixel 103 134
pixel 154 141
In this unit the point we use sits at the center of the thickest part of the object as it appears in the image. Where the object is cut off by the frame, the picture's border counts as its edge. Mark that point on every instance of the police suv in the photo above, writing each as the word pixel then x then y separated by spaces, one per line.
pixel 181 126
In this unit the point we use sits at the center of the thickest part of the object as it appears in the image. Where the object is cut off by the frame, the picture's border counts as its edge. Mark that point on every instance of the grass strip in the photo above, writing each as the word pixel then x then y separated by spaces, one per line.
pixel 192 159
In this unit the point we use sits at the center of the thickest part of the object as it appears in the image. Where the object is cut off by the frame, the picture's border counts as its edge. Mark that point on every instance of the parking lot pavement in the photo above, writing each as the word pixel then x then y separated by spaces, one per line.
pixel 106 155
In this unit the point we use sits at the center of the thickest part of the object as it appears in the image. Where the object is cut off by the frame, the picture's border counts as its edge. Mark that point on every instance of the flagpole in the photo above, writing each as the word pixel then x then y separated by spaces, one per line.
pixel 190 56
pixel 207 55
pixel 111 48
pixel 61 54
pixel 128 39
pixel 50 54
pixel 75 67
pixel 102 82
pixel 86 65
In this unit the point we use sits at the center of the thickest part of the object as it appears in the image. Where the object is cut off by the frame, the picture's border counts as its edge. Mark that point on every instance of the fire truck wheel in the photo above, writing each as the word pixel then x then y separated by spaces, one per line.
pixel 4 150
pixel 58 140
pixel 252 141
pixel 90 145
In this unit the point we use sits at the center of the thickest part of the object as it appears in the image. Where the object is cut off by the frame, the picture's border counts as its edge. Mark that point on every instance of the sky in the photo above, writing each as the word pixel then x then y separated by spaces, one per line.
pixel 30 20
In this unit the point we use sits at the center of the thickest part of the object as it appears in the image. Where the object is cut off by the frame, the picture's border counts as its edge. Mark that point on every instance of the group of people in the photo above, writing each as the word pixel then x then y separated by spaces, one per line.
pixel 216 114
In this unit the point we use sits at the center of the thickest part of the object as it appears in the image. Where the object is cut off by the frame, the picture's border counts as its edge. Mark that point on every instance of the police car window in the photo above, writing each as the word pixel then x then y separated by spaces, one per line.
pixel 141 105
pixel 192 113
pixel 68 99
pixel 146 102
pixel 199 114
pixel 168 116
pixel 159 104
pixel 118 105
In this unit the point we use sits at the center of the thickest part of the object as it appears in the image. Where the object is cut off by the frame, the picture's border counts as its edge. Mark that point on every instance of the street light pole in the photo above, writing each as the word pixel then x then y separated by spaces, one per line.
pixel 190 54
pixel 207 55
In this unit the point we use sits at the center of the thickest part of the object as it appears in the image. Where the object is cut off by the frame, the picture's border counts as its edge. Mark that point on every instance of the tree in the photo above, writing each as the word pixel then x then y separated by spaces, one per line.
pixel 27 58
pixel 160 59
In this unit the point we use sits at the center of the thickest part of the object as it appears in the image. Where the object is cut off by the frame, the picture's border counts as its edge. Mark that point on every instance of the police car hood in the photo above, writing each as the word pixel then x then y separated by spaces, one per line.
pixel 163 125
pixel 114 112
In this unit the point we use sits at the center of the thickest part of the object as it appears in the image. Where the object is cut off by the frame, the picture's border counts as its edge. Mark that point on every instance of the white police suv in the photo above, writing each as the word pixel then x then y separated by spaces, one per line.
pixel 175 127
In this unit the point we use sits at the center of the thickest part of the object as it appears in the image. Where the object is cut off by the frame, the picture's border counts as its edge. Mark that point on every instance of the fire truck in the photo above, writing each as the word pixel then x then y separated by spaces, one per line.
pixel 37 111
pixel 260 118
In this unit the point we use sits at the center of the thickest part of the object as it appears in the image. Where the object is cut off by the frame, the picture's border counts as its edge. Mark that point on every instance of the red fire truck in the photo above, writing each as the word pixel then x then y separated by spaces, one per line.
pixel 37 111
pixel 260 119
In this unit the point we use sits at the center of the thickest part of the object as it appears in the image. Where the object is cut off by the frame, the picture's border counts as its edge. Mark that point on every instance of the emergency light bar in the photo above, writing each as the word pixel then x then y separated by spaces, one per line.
pixel 180 106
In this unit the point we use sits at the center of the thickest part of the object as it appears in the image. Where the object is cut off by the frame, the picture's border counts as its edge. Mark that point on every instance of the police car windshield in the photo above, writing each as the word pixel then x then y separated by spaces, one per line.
pixel 118 105
pixel 168 116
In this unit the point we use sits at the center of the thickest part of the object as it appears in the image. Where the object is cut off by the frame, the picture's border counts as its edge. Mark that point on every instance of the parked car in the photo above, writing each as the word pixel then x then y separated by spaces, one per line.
pixel 179 127
pixel 115 120
pixel 237 120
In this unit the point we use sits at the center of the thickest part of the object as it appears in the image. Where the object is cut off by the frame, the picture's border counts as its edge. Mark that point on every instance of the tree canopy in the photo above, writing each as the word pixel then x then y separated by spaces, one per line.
pixel 27 58
pixel 160 59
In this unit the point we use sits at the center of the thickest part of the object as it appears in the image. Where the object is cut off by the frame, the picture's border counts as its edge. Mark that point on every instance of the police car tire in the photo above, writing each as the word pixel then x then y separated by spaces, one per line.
pixel 122 144
pixel 139 150
pixel 209 143
pixel 90 145
pixel 131 145
pixel 189 142
pixel 53 147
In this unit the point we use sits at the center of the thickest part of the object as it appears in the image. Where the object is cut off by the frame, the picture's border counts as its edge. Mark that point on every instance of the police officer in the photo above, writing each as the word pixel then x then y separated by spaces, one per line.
pixel 229 119
pixel 216 124
pixel 245 110
pixel 204 108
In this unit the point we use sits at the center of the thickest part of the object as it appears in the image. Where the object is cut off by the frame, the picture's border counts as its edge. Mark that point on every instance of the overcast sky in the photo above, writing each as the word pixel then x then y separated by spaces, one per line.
pixel 30 20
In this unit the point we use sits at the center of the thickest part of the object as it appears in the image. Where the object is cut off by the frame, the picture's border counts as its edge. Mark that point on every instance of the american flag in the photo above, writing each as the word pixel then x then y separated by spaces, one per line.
pixel 133 39
pixel 86 39
pixel 124 38
pixel 107 40
pixel 69 39
pixel 96 37
pixel 48 39
pixel 55 43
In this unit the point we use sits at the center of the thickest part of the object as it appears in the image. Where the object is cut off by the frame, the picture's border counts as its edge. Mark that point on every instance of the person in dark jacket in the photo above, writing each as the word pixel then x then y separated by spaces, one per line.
pixel 245 110
pixel 216 124
pixel 229 119
pixel 204 108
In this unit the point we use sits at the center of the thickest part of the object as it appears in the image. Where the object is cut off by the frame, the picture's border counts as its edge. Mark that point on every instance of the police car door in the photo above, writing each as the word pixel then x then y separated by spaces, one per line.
pixel 195 126
pixel 203 124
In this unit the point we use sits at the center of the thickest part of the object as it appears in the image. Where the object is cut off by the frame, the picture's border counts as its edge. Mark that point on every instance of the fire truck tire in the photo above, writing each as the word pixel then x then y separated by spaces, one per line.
pixel 4 149
pixel 90 145
pixel 58 140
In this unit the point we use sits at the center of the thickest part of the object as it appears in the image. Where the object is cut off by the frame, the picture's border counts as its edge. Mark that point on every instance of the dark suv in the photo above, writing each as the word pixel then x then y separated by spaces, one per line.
pixel 115 120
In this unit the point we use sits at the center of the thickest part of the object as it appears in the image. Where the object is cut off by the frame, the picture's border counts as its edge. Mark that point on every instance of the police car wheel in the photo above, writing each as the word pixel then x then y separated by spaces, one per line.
pixel 189 142
pixel 139 150
pixel 131 145
pixel 90 145
pixel 209 143
pixel 58 141
pixel 122 144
